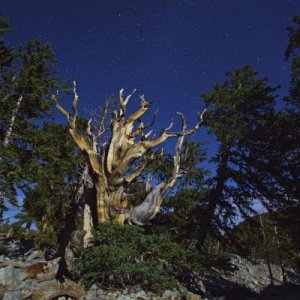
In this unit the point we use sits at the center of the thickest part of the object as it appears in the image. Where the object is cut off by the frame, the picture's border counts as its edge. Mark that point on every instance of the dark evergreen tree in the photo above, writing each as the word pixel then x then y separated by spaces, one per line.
pixel 55 170
pixel 292 53
pixel 26 82
pixel 38 160
pixel 237 108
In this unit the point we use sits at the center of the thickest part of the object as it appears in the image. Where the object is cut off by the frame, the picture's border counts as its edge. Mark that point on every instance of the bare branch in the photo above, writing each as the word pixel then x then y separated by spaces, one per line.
pixel 145 136
pixel 169 127
pixel 138 131
pixel 165 134
pixel 128 97
pixel 137 172
pixel 71 120
pixel 12 122
pixel 176 169
pixel 60 108
pixel 195 128
pixel 124 102
pixel 148 184
pixel 153 120
pixel 101 127
pixel 88 128
pixel 144 107
pixel 144 212
pixel 82 143
pixel 74 104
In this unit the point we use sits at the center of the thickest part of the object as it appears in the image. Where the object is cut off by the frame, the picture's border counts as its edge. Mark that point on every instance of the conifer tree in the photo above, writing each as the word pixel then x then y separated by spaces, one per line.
pixel 292 53
pixel 31 147
pixel 237 108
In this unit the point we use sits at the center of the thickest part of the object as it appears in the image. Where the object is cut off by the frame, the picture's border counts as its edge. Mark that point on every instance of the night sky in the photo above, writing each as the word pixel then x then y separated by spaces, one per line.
pixel 171 51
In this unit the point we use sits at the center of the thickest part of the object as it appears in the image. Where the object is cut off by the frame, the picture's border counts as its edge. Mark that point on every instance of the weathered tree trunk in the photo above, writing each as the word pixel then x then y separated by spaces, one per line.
pixel 111 163
pixel 267 256
pixel 283 273
pixel 87 225
pixel 65 249
pixel 214 197
pixel 101 200
pixel 76 201
pixel 12 122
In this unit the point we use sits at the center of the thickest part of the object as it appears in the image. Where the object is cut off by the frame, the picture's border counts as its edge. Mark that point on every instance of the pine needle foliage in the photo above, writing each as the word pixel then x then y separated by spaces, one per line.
pixel 125 255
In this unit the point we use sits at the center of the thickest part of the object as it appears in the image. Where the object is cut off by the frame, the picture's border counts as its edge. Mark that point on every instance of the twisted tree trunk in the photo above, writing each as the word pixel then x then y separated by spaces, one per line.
pixel 112 164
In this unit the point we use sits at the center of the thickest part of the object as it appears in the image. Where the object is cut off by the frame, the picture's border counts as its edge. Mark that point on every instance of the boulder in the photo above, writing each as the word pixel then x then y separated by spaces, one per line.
pixel 11 277
pixel 192 296
pixel 12 295
pixel 141 295
pixel 171 295
pixel 54 290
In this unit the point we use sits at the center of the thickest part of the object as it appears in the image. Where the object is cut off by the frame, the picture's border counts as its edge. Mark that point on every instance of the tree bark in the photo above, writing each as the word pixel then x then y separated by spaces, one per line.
pixel 110 163
pixel 87 225
pixel 214 197
pixel 267 256
pixel 283 273
pixel 12 122
pixel 100 200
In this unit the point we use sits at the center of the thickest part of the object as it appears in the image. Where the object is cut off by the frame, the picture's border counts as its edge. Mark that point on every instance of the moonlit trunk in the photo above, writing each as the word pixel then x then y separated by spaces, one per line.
pixel 100 201
pixel 12 122
pixel 114 165
pixel 87 225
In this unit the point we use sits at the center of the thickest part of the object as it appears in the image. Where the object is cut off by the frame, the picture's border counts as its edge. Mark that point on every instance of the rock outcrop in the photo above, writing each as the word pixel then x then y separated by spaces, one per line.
pixel 28 275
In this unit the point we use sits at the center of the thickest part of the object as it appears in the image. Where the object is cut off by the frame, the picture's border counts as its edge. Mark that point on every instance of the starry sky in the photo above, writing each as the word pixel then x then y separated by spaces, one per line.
pixel 170 50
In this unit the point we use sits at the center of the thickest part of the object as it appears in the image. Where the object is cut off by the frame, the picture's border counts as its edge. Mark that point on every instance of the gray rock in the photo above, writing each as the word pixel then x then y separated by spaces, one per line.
pixel 123 297
pixel 93 287
pixel 251 275
pixel 92 295
pixel 45 283
pixel 12 295
pixel 11 277
pixel 35 255
pixel 192 296
pixel 171 295
pixel 167 294
pixel 27 288
pixel 141 295
pixel 201 287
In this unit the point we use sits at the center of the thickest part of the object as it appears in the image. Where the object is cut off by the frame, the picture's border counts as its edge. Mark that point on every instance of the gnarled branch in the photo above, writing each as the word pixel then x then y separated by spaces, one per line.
pixel 146 211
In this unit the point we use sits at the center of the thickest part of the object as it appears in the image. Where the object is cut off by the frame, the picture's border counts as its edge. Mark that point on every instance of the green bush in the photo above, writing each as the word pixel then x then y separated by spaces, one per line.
pixel 125 255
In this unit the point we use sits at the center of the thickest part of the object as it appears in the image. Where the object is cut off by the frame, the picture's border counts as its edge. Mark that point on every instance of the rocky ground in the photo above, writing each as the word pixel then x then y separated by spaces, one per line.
pixel 26 274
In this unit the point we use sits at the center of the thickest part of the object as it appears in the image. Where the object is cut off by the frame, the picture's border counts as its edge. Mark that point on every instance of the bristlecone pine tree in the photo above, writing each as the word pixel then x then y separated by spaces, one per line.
pixel 113 166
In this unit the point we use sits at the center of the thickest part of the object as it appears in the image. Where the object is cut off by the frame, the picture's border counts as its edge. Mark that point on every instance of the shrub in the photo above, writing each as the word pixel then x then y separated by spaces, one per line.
pixel 124 255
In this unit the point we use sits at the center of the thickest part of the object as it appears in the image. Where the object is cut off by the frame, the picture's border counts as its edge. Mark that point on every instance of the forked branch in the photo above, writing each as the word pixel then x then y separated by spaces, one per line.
pixel 166 134
pixel 71 119
pixel 146 211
